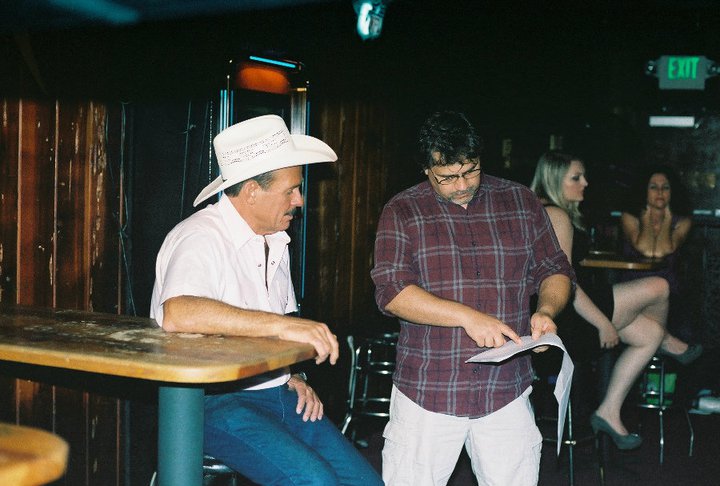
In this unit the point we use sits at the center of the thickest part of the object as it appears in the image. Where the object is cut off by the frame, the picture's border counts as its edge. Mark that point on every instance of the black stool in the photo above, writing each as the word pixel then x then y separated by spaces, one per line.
pixel 545 405
pixel 212 469
pixel 570 440
pixel 371 367
pixel 655 396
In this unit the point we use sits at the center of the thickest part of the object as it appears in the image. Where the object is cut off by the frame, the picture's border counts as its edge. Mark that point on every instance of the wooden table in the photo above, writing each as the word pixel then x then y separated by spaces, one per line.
pixel 619 262
pixel 30 457
pixel 137 347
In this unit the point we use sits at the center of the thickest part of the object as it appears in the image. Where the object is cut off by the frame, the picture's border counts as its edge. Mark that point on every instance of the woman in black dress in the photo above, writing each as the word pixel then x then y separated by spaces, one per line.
pixel 633 312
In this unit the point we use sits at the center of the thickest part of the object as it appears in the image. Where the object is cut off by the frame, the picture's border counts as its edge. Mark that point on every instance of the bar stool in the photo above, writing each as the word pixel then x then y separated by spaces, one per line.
pixel 570 441
pixel 655 396
pixel 542 391
pixel 371 367
pixel 212 468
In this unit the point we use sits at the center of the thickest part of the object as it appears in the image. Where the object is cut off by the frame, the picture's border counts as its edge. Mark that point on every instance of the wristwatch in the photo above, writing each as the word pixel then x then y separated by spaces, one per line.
pixel 302 375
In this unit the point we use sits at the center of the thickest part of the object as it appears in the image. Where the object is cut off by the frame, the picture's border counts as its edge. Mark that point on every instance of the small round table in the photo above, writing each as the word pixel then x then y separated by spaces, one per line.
pixel 29 456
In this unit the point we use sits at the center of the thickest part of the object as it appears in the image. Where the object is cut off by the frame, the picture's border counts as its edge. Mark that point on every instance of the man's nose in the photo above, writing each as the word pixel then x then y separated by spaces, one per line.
pixel 298 200
pixel 461 183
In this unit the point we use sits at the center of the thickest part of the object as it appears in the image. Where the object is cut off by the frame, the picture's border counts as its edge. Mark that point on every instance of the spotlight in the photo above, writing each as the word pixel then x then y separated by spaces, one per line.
pixel 370 15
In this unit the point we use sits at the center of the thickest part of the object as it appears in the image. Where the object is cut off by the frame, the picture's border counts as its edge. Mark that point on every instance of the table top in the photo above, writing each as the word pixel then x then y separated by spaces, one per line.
pixel 136 347
pixel 620 262
pixel 30 456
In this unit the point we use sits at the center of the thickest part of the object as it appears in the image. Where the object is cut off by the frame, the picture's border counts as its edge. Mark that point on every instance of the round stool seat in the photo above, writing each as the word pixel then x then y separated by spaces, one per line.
pixel 212 465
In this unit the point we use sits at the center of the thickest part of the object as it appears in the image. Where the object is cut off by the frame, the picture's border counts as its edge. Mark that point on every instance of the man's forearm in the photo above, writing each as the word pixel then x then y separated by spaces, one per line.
pixel 417 305
pixel 208 316
pixel 554 295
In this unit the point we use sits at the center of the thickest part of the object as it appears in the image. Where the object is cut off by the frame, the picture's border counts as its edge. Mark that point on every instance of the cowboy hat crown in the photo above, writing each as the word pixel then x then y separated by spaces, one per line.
pixel 258 145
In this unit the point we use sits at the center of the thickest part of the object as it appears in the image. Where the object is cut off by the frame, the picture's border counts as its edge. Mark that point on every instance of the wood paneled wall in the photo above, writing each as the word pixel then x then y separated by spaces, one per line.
pixel 346 199
pixel 61 219
pixel 60 214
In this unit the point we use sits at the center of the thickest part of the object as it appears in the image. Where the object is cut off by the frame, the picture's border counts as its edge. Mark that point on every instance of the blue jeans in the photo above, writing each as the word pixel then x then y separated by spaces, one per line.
pixel 258 434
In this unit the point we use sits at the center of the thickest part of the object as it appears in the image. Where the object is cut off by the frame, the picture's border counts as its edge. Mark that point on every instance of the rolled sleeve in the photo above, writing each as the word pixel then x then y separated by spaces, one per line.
pixel 394 268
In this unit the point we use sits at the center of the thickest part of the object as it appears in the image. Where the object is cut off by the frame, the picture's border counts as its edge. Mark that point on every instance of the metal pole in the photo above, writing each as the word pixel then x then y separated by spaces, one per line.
pixel 180 436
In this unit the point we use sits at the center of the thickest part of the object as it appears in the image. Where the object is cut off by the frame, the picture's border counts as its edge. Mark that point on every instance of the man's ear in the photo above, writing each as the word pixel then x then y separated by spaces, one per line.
pixel 249 190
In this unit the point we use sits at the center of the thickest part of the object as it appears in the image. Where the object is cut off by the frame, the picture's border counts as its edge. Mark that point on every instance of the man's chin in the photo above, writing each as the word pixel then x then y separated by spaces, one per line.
pixel 462 200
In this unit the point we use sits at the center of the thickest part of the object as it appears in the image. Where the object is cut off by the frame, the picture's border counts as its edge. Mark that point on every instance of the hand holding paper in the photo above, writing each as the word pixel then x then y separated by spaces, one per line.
pixel 564 379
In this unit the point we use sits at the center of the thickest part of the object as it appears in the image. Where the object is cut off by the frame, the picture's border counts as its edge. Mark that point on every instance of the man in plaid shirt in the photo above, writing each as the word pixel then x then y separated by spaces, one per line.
pixel 457 259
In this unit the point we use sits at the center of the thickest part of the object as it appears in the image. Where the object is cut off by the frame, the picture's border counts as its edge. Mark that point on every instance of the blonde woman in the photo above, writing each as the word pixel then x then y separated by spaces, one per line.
pixel 632 312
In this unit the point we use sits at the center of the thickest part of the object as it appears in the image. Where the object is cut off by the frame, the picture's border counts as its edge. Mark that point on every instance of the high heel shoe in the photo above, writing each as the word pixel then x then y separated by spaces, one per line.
pixel 622 442
pixel 692 353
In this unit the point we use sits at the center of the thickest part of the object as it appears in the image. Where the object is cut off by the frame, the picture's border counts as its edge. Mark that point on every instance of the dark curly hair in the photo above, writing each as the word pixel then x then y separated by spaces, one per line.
pixel 637 197
pixel 452 135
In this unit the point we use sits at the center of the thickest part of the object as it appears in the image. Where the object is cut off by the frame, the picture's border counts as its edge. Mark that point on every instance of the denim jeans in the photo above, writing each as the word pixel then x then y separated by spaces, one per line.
pixel 258 434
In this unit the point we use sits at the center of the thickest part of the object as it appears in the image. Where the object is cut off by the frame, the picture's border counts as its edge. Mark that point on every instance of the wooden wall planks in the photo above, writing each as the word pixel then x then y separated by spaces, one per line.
pixel 59 248
pixel 346 199
pixel 61 217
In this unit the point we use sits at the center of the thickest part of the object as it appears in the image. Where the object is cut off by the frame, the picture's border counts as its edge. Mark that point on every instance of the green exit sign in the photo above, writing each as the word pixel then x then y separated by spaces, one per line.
pixel 684 72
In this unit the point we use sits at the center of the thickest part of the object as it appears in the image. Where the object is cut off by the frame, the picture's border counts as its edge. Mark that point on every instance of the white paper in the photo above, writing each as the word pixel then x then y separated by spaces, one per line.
pixel 564 379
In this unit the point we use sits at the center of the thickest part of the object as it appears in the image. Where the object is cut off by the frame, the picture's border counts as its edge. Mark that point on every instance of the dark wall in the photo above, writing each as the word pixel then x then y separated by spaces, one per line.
pixel 170 165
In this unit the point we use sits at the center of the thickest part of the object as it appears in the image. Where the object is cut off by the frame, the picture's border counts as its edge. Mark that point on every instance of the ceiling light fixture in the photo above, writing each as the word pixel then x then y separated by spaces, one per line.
pixel 370 15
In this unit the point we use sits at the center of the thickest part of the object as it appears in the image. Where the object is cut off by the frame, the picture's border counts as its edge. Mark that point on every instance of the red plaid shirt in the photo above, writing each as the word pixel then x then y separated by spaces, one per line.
pixel 491 256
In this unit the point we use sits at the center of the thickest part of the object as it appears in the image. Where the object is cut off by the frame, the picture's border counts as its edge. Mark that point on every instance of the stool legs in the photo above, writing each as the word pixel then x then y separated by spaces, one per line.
pixel 370 381
pixel 659 400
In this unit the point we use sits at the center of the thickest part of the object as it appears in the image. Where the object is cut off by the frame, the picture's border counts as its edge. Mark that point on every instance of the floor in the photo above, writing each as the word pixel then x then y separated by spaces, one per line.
pixel 632 468
pixel 636 468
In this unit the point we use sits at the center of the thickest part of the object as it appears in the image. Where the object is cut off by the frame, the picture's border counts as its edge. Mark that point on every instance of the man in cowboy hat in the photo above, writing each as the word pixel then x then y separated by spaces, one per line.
pixel 225 270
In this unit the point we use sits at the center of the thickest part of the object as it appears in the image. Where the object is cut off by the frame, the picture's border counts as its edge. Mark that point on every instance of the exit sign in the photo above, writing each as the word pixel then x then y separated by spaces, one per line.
pixel 684 72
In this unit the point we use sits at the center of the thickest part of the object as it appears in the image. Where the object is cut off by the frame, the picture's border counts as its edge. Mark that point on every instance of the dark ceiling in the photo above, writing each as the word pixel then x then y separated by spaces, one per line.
pixel 504 55
pixel 37 15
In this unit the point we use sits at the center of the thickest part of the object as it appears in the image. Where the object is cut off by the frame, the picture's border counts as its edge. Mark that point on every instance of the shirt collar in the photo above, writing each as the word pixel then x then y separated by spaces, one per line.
pixel 240 231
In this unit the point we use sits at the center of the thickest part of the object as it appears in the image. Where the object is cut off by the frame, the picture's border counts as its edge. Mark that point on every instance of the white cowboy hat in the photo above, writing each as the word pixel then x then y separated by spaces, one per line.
pixel 259 145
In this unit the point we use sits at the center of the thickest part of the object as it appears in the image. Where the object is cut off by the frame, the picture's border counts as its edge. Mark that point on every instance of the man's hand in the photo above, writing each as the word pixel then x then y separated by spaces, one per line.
pixel 311 332
pixel 540 324
pixel 308 401
pixel 490 332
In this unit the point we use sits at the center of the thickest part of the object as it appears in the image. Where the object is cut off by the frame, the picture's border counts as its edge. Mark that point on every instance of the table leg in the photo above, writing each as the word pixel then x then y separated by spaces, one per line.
pixel 180 435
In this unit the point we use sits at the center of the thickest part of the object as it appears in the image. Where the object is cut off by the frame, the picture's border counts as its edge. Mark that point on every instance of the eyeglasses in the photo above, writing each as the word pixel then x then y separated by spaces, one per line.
pixel 452 179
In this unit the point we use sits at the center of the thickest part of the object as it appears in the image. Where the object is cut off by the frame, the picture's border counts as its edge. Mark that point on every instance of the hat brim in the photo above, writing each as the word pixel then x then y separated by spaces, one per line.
pixel 308 150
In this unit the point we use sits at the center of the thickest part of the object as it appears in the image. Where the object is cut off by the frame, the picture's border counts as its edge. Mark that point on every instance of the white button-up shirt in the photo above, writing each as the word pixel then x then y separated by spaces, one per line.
pixel 215 254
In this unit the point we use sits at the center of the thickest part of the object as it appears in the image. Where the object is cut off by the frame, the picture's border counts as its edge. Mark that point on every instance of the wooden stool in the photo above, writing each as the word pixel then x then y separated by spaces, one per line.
pixel 29 456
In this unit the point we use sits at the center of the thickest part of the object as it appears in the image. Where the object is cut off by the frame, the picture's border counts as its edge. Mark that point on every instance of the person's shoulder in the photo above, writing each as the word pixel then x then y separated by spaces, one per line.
pixel 495 181
pixel 498 183
pixel 560 219
pixel 201 223
pixel 682 222
pixel 629 221
pixel 556 212
pixel 411 194
pixel 498 187
pixel 207 215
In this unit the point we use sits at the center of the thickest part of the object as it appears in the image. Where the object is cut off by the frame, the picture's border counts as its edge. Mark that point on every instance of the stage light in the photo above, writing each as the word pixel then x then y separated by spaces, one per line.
pixel 261 73
pixel 370 15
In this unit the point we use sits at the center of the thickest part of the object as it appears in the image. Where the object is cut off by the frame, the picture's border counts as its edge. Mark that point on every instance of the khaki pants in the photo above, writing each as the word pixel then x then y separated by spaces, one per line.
pixel 422 448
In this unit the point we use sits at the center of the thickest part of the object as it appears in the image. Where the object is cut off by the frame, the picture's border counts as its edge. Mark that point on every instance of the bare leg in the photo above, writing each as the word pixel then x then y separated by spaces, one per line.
pixel 640 312
pixel 643 336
